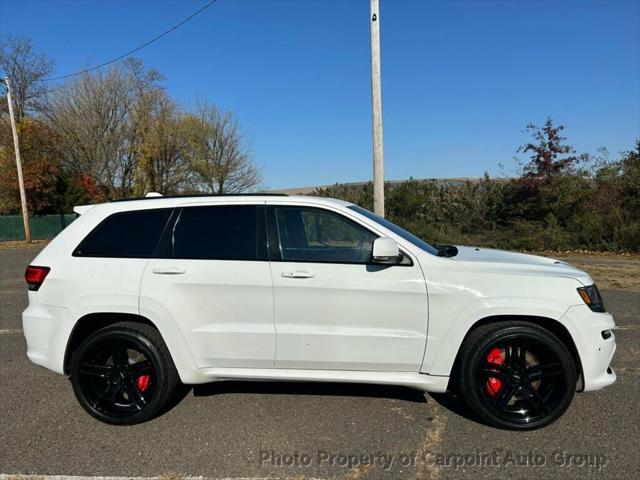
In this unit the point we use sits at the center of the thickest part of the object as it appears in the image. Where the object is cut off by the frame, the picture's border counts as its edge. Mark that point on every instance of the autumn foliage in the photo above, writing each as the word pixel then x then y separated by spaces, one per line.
pixel 109 134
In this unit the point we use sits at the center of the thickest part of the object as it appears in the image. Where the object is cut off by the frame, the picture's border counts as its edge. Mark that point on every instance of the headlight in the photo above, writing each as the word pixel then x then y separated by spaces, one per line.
pixel 592 298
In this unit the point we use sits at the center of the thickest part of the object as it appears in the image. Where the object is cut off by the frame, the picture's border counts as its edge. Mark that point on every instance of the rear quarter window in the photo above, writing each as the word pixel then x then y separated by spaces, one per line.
pixel 133 234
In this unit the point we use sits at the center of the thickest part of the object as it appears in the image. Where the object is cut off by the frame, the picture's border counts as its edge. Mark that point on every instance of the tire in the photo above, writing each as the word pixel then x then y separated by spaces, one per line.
pixel 123 374
pixel 516 375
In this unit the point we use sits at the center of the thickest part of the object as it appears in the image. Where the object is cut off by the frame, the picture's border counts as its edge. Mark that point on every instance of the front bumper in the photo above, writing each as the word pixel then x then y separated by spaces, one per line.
pixel 596 351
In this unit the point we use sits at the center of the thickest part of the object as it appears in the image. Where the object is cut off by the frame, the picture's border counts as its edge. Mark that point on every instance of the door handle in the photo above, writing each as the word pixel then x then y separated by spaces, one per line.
pixel 169 271
pixel 297 274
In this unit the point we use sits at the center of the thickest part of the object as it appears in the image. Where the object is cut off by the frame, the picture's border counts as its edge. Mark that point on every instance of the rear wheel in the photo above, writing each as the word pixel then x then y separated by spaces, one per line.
pixel 123 374
pixel 516 375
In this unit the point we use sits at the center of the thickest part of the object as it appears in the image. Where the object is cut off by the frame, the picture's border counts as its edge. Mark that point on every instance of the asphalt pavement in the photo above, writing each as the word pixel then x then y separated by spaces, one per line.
pixel 295 430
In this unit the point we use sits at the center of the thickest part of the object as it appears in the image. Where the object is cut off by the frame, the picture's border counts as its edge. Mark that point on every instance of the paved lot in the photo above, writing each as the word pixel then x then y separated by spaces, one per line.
pixel 255 429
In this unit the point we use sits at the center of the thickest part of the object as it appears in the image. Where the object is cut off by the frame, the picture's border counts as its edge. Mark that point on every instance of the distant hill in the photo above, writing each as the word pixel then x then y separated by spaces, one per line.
pixel 310 190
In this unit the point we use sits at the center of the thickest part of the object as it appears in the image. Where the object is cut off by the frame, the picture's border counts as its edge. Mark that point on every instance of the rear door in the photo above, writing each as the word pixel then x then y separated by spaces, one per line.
pixel 334 309
pixel 212 278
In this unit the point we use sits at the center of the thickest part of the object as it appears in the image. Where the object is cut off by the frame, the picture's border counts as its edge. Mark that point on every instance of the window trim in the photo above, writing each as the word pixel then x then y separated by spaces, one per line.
pixel 274 239
pixel 166 239
pixel 270 235
pixel 76 253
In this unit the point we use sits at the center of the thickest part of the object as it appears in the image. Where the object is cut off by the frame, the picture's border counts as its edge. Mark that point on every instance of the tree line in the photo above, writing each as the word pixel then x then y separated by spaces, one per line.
pixel 559 200
pixel 110 134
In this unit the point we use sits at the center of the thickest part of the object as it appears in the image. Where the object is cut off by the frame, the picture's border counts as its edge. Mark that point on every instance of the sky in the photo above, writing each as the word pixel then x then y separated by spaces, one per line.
pixel 460 79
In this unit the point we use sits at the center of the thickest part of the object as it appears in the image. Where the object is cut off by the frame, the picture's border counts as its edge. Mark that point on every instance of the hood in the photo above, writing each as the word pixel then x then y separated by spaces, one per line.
pixel 512 262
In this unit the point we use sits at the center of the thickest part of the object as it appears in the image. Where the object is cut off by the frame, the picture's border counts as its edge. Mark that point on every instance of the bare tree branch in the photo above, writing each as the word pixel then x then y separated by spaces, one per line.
pixel 95 117
pixel 219 160
pixel 25 68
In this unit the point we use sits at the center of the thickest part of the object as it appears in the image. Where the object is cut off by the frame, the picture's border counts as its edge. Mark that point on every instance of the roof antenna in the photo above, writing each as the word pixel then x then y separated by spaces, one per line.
pixel 153 194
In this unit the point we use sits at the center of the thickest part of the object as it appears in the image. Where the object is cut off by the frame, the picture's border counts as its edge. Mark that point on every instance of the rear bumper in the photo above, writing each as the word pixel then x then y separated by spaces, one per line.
pixel 47 329
pixel 596 351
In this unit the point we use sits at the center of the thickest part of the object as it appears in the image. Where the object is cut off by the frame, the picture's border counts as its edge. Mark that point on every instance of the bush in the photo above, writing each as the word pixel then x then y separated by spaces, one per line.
pixel 593 208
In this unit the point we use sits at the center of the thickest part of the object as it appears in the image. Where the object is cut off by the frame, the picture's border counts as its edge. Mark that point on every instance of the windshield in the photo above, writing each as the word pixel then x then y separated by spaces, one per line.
pixel 409 237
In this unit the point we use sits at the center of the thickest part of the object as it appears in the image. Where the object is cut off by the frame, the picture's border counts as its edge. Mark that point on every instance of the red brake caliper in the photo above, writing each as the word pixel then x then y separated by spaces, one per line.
pixel 494 384
pixel 142 382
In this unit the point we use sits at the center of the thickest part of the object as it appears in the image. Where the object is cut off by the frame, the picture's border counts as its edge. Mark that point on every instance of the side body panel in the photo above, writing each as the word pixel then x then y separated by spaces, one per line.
pixel 219 294
pixel 344 316
pixel 350 317
pixel 223 309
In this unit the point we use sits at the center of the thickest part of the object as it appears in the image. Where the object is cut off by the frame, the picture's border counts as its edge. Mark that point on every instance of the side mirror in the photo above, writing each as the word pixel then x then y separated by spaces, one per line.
pixel 386 251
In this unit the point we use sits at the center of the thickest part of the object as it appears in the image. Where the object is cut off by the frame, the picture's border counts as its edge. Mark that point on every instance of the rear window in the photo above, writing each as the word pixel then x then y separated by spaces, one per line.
pixel 132 234
pixel 230 232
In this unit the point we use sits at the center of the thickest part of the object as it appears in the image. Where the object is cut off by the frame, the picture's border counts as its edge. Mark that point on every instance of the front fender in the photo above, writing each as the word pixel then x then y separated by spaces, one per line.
pixel 445 338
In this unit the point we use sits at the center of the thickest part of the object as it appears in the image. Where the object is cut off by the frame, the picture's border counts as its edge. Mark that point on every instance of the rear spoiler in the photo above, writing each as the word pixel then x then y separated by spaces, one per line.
pixel 80 209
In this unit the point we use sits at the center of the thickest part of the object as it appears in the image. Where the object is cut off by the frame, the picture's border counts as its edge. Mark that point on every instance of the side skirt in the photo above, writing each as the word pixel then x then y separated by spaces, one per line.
pixel 419 381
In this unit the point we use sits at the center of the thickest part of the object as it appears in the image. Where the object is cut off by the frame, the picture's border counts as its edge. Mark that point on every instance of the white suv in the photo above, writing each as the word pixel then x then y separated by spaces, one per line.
pixel 137 296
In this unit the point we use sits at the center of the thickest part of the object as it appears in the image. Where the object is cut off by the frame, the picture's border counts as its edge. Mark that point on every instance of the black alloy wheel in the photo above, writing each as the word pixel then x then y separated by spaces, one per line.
pixel 516 375
pixel 123 374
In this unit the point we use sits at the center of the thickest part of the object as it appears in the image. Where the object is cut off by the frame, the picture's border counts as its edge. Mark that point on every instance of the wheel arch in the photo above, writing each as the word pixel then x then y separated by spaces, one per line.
pixel 549 324
pixel 92 322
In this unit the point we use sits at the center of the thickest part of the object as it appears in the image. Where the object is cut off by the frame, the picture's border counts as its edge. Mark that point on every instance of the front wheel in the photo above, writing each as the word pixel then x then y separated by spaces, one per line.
pixel 516 375
pixel 123 374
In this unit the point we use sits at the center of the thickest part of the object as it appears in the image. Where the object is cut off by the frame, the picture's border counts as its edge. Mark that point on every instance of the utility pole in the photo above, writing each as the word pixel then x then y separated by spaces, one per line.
pixel 16 147
pixel 376 101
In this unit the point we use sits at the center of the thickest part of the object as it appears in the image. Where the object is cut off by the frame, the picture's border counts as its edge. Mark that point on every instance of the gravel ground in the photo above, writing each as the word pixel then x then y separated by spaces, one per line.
pixel 253 429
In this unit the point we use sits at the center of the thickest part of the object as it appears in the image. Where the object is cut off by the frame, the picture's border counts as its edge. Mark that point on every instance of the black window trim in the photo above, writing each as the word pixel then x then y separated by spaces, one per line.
pixel 166 239
pixel 76 252
pixel 273 237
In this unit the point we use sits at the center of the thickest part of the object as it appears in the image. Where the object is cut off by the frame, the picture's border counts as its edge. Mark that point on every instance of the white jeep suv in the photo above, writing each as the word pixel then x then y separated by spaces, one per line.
pixel 137 296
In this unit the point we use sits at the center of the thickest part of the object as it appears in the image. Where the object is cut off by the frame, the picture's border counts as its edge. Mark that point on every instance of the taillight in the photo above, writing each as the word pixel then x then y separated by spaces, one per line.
pixel 35 276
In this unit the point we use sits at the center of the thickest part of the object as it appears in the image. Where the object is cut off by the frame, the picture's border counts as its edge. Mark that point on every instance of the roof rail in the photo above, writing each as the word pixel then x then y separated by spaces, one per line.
pixel 199 195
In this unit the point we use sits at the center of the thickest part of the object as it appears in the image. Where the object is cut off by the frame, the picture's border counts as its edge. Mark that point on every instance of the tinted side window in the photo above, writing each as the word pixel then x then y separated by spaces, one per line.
pixel 228 232
pixel 132 234
pixel 315 235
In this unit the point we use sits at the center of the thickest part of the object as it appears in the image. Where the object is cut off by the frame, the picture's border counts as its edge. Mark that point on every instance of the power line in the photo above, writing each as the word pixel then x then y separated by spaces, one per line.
pixel 131 52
